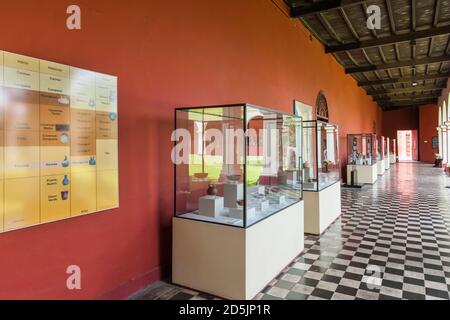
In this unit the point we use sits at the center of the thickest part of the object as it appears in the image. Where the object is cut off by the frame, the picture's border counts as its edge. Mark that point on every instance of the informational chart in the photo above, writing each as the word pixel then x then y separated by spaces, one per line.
pixel 58 142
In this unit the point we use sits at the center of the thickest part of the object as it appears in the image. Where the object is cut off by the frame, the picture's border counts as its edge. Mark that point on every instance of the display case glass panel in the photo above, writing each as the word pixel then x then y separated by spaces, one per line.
pixel 239 164
pixel 321 166
pixel 361 149
pixel 381 145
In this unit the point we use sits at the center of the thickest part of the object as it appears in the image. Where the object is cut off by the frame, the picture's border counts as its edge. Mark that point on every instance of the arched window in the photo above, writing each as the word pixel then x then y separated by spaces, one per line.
pixel 322 108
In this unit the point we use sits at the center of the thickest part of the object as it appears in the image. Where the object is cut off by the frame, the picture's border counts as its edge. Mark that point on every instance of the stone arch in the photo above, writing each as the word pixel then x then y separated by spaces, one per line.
pixel 322 112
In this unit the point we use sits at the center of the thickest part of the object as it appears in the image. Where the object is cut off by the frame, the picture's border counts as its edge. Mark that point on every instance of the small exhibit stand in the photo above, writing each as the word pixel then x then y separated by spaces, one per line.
pixel 364 174
pixel 321 176
pixel 381 156
pixel 387 158
pixel 387 162
pixel 381 167
pixel 392 159
pixel 237 224
pixel 393 152
pixel 322 208
pixel 362 165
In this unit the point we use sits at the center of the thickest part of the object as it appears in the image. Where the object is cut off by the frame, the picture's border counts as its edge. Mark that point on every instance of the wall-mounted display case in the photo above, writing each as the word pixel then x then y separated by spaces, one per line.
pixel 321 167
pixel 238 186
pixel 362 159
pixel 381 155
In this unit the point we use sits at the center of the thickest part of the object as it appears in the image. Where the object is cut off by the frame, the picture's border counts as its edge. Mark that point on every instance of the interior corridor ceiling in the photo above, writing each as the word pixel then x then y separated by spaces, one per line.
pixel 404 63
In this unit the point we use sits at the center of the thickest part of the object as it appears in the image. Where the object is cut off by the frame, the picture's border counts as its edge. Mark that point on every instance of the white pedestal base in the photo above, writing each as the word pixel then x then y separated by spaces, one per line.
pixel 380 167
pixel 387 163
pixel 366 174
pixel 392 159
pixel 233 192
pixel 236 263
pixel 210 206
pixel 322 208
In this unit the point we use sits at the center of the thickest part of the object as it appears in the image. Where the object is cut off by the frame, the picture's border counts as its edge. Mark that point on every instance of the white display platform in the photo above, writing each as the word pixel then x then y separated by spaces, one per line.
pixel 236 263
pixel 366 174
pixel 210 206
pixel 322 208
pixel 380 167
pixel 392 159
pixel 233 192
pixel 387 163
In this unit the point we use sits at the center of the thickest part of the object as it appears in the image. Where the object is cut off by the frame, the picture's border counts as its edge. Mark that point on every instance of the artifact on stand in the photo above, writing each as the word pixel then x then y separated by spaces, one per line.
pixel 212 190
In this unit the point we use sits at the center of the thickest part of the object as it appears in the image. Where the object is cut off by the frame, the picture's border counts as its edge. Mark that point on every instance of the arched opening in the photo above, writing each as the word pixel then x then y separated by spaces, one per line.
pixel 322 113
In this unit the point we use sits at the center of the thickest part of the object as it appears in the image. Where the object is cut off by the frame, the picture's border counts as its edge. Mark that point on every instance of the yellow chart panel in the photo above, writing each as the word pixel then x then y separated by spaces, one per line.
pixel 83 193
pixel 58 141
pixel 21 203
pixel 55 198
pixel 107 189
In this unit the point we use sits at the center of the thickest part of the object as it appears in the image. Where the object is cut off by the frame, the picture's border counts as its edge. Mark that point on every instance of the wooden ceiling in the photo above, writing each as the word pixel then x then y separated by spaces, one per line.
pixel 405 63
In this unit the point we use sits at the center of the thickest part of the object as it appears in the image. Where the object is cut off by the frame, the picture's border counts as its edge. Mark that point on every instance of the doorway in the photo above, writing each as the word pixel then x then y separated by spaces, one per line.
pixel 407 145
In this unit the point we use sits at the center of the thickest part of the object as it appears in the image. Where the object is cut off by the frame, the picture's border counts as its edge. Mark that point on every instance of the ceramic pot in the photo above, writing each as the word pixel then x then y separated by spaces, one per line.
pixel 212 190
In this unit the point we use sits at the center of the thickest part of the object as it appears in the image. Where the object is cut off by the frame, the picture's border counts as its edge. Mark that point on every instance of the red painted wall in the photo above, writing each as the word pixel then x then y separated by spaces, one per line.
pixel 428 118
pixel 423 118
pixel 166 54
pixel 401 119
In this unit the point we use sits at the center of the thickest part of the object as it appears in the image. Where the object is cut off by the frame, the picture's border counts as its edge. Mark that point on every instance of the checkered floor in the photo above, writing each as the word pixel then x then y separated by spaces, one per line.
pixel 391 242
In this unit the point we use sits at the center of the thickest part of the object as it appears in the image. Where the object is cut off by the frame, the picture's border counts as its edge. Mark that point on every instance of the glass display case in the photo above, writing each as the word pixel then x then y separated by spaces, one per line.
pixel 362 159
pixel 321 166
pixel 393 151
pixel 387 154
pixel 362 149
pixel 238 195
pixel 381 153
pixel 238 164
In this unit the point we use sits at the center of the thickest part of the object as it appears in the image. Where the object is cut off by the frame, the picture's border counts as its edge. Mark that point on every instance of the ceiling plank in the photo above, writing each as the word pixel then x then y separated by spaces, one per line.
pixel 349 24
pixel 300 11
pixel 432 32
pixel 328 27
pixel 398 64
pixel 391 16
pixel 395 106
pixel 406 90
pixel 405 79
pixel 437 10
pixel 407 98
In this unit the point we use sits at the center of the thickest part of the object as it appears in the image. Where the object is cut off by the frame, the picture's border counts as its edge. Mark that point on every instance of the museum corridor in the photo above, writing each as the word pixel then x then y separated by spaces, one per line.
pixel 391 242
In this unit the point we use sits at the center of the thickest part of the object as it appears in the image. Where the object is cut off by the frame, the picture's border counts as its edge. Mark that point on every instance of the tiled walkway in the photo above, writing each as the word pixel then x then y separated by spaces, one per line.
pixel 391 242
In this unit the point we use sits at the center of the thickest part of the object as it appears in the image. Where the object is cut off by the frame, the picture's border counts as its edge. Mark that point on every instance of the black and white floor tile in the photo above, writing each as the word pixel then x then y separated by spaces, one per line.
pixel 391 242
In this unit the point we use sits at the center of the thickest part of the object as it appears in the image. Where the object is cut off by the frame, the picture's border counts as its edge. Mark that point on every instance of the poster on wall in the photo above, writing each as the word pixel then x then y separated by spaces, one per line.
pixel 58 142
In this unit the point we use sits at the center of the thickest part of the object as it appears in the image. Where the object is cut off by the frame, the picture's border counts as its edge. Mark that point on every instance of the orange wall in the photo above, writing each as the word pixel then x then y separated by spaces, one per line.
pixel 166 54
pixel 428 117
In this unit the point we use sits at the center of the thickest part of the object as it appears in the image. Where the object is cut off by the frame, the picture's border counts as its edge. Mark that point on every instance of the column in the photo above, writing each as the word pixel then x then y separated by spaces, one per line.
pixel 55 159
pixel 21 148
pixel 83 145
pixel 107 142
